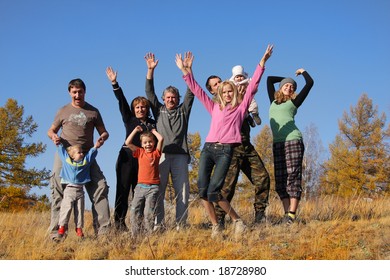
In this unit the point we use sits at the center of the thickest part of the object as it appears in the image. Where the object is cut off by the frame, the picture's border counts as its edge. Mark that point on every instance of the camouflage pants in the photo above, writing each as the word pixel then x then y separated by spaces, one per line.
pixel 246 159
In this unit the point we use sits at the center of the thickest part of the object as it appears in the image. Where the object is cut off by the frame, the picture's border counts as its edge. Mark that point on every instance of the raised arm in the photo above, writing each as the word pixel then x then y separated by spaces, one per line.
pixel 306 89
pixel 256 77
pixel 151 63
pixel 193 86
pixel 129 139
pixel 271 81
pixel 267 54
pixel 160 139
pixel 124 108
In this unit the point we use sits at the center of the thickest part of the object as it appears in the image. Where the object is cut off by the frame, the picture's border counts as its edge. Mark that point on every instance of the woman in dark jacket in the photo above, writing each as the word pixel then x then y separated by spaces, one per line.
pixel 127 166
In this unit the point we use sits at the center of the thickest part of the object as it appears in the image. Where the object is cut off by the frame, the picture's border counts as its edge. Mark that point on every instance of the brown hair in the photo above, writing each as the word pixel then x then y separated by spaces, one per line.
pixel 147 134
pixel 281 98
pixel 77 83
pixel 143 101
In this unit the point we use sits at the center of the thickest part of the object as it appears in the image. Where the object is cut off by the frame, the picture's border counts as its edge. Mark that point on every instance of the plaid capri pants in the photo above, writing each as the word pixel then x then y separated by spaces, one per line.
pixel 288 157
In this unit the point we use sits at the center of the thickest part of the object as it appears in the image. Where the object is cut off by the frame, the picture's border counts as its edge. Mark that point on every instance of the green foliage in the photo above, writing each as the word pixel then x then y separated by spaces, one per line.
pixel 359 161
pixel 14 150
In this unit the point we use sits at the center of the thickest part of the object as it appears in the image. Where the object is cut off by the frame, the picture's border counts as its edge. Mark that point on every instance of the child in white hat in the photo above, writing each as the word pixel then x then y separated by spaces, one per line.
pixel 240 77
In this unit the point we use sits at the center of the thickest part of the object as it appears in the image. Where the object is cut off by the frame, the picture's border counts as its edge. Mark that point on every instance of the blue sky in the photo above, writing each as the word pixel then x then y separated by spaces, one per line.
pixel 344 45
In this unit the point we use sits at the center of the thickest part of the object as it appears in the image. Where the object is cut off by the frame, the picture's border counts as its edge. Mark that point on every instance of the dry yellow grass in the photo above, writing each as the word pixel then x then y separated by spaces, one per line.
pixel 327 229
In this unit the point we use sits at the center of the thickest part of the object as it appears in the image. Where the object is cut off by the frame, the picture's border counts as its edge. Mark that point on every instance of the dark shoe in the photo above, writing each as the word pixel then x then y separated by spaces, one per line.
pixel 256 118
pixel 250 121
pixel 260 217
pixel 54 236
pixel 121 227
pixel 221 221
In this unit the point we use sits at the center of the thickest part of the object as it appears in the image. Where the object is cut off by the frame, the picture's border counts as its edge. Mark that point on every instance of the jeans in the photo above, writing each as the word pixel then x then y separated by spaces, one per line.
pixel 218 157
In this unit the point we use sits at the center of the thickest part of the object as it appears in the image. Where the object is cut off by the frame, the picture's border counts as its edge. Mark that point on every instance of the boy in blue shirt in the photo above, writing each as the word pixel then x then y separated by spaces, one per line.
pixel 75 173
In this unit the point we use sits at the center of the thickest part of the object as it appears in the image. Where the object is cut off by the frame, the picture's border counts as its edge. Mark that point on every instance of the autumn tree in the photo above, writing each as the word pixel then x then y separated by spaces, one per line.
pixel 312 161
pixel 194 142
pixel 359 156
pixel 15 179
pixel 263 145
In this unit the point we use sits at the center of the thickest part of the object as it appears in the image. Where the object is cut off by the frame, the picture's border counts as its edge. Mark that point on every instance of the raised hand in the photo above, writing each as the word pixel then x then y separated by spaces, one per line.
pixel 267 55
pixel 111 74
pixel 138 128
pixel 299 71
pixel 188 59
pixel 179 61
pixel 151 62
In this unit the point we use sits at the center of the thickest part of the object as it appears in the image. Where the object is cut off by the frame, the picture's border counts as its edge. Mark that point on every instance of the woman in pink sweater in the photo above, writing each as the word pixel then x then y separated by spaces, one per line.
pixel 228 110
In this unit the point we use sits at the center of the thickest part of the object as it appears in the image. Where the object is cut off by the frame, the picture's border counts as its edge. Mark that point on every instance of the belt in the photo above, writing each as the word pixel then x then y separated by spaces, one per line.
pixel 217 144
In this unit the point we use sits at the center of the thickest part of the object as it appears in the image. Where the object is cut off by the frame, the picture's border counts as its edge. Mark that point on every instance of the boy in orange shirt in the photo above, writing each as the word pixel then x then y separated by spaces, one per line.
pixel 144 201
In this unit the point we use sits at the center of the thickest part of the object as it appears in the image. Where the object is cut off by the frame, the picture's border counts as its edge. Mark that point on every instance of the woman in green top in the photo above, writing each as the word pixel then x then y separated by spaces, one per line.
pixel 288 145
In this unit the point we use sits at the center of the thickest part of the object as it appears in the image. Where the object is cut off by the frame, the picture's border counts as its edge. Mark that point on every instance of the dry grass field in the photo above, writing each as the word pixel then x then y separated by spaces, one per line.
pixel 327 229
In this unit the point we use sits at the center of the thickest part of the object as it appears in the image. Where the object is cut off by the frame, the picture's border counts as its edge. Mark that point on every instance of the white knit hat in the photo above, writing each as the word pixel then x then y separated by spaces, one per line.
pixel 238 70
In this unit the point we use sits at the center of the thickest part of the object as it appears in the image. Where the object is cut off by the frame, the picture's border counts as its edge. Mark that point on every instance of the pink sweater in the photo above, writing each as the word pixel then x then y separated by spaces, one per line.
pixel 225 124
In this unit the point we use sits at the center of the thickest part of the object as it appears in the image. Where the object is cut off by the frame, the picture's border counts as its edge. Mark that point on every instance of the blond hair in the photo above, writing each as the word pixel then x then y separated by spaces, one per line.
pixel 219 98
pixel 72 149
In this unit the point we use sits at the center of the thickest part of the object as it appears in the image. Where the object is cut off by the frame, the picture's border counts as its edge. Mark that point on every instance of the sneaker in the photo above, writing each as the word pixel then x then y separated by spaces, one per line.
pixel 239 229
pixel 54 236
pixel 288 220
pixel 216 231
pixel 61 234
pixel 260 217
pixel 79 232
pixel 250 121
pixel 62 230
pixel 256 118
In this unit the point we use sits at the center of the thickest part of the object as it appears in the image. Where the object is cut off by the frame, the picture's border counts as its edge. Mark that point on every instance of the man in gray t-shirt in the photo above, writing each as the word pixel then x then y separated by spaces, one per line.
pixel 77 121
